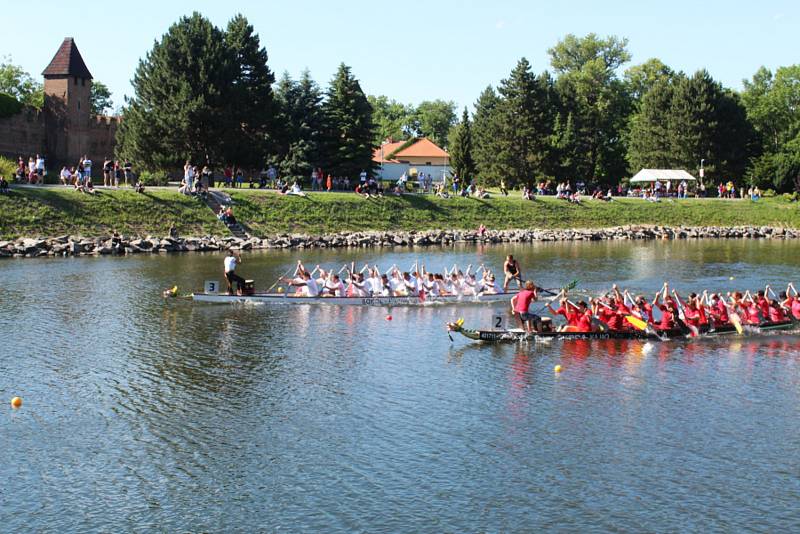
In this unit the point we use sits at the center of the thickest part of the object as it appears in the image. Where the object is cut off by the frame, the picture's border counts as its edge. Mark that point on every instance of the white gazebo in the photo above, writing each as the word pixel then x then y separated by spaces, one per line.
pixel 662 175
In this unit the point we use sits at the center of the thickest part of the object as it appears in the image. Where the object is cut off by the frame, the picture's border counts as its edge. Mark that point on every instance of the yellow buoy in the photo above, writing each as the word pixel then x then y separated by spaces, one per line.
pixel 16 402
pixel 280 290
pixel 731 278
pixel 557 368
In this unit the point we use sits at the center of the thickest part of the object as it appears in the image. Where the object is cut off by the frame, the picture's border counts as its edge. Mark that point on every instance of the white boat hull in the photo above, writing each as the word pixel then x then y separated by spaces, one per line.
pixel 284 299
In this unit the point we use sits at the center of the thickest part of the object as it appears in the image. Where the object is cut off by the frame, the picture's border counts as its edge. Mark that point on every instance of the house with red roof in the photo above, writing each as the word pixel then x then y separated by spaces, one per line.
pixel 412 157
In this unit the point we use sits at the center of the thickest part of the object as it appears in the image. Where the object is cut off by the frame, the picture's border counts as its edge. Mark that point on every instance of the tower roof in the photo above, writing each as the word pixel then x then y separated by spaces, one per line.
pixel 67 62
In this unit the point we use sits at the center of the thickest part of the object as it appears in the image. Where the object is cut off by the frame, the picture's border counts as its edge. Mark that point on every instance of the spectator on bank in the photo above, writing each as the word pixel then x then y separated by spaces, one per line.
pixel 296 190
pixel 107 169
pixel 65 176
pixel 184 188
pixel 128 171
pixel 89 186
pixel 87 166
pixel 117 170
pixel 188 175
pixel 40 168
pixel 228 176
pixel 139 186
pixel 3 185
pixel 481 193
pixel 31 167
pixel 239 177
pixel 527 193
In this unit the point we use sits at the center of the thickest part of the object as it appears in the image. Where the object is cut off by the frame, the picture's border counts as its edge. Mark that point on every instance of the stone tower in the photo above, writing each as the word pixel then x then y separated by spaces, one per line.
pixel 67 86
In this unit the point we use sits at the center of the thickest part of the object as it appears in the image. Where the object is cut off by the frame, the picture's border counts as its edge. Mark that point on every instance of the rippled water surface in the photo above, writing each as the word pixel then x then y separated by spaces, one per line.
pixel 145 415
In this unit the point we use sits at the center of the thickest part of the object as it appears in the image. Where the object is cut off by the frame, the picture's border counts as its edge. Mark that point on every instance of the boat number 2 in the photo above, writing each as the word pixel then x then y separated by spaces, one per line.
pixel 498 321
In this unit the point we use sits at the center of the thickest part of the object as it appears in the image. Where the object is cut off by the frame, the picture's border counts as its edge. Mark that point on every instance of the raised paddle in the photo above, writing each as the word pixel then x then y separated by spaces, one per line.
pixel 279 279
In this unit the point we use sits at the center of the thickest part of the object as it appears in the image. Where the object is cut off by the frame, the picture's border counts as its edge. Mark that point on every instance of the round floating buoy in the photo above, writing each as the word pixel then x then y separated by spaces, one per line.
pixel 16 402
pixel 388 317
pixel 280 290
pixel 731 278
pixel 557 368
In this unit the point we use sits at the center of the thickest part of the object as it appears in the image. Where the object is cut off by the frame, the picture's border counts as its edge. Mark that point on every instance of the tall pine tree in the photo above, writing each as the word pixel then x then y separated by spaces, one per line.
pixel 349 131
pixel 484 136
pixel 524 128
pixel 300 103
pixel 461 149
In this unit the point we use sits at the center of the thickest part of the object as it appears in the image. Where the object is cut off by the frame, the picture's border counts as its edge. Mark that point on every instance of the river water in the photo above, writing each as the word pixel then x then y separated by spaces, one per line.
pixel 141 414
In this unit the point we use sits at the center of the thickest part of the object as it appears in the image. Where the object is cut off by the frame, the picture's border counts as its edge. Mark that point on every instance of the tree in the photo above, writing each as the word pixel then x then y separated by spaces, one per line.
pixel 349 131
pixel 523 126
pixel 250 110
pixel 461 148
pixel 639 79
pixel 298 146
pixel 201 94
pixel 683 119
pixel 100 98
pixel 594 100
pixel 393 120
pixel 19 84
pixel 434 119
pixel 771 103
pixel 484 136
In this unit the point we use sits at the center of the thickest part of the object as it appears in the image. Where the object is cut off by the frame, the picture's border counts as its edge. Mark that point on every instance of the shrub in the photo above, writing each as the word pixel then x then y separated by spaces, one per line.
pixel 768 193
pixel 790 197
pixel 9 105
pixel 154 178
pixel 7 168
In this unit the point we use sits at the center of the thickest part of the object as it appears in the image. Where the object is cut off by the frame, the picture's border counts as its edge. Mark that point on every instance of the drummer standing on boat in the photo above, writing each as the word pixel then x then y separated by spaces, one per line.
pixel 232 260
pixel 513 272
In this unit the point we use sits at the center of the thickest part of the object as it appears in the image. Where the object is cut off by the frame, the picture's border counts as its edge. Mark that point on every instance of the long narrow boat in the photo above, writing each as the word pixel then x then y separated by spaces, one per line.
pixel 380 301
pixel 514 335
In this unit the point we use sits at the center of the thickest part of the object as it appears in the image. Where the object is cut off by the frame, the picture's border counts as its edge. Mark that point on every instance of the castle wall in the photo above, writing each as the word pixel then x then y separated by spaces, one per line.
pixel 22 134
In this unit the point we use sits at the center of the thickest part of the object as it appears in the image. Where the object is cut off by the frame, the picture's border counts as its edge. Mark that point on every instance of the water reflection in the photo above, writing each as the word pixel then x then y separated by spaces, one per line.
pixel 178 416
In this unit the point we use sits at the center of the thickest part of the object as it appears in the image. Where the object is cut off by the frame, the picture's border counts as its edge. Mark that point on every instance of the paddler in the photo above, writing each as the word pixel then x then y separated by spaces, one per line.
pixel 791 301
pixel 520 303
pixel 305 284
pixel 231 261
pixel 719 311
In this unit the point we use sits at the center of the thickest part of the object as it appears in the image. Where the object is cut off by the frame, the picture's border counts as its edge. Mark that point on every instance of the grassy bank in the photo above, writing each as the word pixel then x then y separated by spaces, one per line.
pixel 51 212
pixel 268 213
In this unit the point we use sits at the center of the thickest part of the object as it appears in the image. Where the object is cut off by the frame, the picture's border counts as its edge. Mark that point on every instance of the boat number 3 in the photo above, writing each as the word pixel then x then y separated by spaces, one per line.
pixel 211 286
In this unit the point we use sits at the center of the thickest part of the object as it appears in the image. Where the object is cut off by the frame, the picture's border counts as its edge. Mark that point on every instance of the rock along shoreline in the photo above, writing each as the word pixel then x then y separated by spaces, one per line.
pixel 122 245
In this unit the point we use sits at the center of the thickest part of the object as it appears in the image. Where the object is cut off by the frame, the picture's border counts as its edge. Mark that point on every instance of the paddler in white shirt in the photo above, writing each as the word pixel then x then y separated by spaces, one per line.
pixel 306 285
pixel 410 285
pixel 333 287
pixel 374 284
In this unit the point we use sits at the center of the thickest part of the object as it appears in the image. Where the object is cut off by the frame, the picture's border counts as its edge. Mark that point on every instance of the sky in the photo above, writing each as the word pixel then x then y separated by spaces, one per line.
pixel 415 50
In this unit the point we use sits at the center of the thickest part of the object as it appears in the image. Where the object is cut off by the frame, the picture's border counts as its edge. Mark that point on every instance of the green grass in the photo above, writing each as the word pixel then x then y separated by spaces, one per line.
pixel 51 212
pixel 268 213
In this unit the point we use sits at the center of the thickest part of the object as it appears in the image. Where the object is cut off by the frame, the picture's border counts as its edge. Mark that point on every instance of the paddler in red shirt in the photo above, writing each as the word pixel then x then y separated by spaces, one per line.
pixel 667 321
pixel 792 302
pixel 719 311
pixel 583 321
pixel 567 310
pixel 776 313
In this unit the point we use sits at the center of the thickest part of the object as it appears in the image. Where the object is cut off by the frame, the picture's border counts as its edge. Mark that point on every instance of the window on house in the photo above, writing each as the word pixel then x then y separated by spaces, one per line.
pixel 76 80
pixel 427 163
pixel 79 104
pixel 83 82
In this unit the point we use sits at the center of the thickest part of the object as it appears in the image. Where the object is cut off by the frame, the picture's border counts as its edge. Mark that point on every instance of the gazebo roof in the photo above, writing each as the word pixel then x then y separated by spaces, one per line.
pixel 651 175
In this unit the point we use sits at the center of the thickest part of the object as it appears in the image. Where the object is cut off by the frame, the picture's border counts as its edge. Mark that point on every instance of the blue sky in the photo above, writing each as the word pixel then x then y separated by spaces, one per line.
pixel 411 50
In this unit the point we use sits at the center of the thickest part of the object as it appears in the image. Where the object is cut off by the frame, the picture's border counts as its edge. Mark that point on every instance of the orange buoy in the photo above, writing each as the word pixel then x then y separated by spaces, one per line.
pixel 16 402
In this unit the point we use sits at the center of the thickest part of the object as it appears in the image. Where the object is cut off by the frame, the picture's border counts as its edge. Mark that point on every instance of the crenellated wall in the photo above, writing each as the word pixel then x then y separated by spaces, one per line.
pixel 22 134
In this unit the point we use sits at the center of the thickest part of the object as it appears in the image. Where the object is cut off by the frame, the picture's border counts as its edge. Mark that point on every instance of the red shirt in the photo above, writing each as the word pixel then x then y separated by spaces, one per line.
pixel 523 301
pixel 584 322
pixel 722 312
pixel 796 307
pixel 647 312
pixel 776 315
pixel 752 314
pixel 691 316
pixel 667 320
pixel 614 320
pixel 763 305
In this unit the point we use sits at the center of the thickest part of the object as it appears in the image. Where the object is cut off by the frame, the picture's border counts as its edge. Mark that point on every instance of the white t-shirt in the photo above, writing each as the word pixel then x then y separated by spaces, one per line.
pixel 311 288
pixel 375 285
pixel 66 174
pixel 40 164
pixel 230 263
pixel 87 166
pixel 336 288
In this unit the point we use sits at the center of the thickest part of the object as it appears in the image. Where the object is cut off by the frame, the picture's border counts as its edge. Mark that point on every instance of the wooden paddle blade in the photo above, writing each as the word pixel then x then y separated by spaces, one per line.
pixel 636 322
